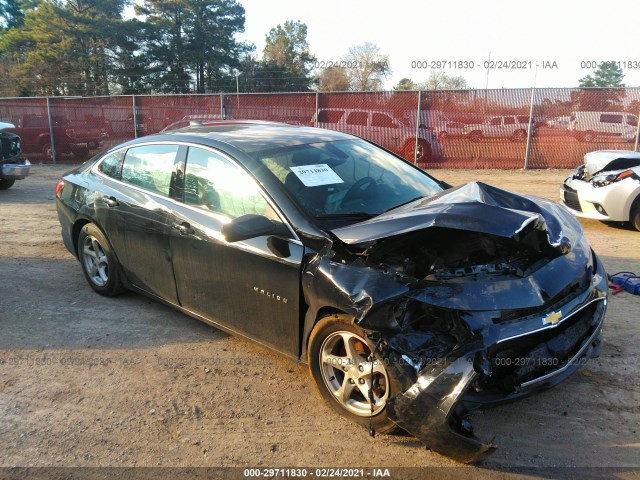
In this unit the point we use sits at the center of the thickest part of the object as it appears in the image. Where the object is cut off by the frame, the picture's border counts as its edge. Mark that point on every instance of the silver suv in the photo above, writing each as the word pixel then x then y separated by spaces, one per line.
pixel 513 127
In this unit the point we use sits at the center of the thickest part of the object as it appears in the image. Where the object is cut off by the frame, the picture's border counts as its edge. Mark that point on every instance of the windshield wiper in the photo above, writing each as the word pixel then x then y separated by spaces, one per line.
pixel 404 203
pixel 332 216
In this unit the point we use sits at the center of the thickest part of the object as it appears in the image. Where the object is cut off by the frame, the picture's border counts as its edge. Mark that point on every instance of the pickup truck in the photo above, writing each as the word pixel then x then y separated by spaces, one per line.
pixel 36 137
pixel 12 165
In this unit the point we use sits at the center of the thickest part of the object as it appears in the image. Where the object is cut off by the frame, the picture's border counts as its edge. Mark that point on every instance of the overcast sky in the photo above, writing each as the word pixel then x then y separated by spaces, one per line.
pixel 542 32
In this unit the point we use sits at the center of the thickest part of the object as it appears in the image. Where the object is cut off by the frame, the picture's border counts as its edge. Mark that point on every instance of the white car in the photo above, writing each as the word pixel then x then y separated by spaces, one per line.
pixel 606 187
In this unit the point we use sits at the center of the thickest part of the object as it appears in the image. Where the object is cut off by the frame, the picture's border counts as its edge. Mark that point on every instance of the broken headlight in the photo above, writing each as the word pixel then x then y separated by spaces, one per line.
pixel 607 179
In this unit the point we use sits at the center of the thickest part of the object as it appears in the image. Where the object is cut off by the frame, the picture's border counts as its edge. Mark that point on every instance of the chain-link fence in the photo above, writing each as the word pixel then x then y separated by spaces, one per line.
pixel 506 128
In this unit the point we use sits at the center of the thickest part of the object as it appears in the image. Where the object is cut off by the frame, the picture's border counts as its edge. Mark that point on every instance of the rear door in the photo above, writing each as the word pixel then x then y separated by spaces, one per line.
pixel 252 286
pixel 387 130
pixel 138 214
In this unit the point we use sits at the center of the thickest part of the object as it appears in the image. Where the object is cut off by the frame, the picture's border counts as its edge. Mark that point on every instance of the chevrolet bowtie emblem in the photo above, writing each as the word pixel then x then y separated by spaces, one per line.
pixel 552 318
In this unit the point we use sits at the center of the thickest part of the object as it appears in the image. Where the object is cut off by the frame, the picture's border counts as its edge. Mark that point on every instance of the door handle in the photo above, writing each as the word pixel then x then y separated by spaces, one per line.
pixel 184 228
pixel 111 202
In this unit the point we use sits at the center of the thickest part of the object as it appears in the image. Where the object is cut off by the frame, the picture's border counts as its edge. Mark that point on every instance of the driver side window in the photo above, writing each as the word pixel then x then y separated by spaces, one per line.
pixel 214 183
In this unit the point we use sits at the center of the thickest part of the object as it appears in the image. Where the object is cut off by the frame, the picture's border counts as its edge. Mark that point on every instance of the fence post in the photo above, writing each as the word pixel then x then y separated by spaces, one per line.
pixel 635 147
pixel 415 147
pixel 527 152
pixel 51 137
pixel 315 117
pixel 135 116
pixel 222 114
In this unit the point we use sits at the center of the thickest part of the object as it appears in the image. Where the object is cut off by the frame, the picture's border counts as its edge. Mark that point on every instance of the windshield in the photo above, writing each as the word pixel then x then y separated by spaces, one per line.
pixel 347 179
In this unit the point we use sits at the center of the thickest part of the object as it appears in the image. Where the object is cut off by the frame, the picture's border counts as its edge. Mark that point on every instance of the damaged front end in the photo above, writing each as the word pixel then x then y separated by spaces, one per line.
pixel 473 297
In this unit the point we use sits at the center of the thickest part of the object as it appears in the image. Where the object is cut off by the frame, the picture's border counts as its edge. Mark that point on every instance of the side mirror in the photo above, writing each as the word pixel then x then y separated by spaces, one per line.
pixel 252 226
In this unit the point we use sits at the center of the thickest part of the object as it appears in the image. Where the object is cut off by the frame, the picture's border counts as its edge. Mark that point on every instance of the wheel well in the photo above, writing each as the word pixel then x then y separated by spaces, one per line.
pixel 323 312
pixel 634 203
pixel 76 232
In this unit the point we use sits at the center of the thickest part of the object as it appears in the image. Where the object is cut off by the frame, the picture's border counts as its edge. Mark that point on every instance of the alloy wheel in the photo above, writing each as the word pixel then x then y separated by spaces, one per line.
pixel 349 374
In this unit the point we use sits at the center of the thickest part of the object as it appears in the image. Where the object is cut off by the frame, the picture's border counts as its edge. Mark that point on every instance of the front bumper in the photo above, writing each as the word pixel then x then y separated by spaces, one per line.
pixel 614 200
pixel 15 171
pixel 519 357
pixel 89 145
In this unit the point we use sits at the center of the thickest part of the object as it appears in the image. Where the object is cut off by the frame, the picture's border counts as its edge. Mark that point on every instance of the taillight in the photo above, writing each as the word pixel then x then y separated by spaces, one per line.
pixel 59 186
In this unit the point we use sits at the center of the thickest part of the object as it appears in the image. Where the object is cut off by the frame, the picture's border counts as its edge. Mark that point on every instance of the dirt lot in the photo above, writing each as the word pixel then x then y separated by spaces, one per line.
pixel 90 381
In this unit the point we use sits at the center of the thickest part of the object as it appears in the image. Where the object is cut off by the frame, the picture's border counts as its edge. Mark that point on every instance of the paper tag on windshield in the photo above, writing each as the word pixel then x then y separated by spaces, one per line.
pixel 315 175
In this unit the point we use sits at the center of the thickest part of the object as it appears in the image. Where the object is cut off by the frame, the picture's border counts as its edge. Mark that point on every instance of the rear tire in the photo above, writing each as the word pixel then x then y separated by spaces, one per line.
pixel 338 361
pixel 99 264
pixel 475 136
pixel 519 136
pixel 4 183
pixel 47 152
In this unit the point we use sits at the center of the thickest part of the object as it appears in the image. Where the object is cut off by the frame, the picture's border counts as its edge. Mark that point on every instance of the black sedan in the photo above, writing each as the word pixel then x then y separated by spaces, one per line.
pixel 413 302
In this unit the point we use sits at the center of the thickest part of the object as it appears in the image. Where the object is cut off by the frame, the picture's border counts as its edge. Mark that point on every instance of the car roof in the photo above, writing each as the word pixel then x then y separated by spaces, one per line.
pixel 253 136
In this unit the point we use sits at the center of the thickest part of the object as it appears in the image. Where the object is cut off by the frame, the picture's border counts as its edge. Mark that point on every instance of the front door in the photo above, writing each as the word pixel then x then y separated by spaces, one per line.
pixel 252 286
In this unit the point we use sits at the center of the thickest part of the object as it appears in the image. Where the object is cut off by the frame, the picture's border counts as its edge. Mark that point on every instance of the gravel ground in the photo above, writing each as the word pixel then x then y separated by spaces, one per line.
pixel 87 381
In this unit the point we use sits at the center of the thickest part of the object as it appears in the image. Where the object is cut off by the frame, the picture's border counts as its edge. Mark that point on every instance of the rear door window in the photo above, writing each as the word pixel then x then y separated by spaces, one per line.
pixel 610 118
pixel 357 118
pixel 330 116
pixel 382 120
pixel 150 167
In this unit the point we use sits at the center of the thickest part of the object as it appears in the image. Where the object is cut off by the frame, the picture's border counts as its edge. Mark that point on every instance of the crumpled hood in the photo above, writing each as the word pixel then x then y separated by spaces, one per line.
pixel 595 162
pixel 475 207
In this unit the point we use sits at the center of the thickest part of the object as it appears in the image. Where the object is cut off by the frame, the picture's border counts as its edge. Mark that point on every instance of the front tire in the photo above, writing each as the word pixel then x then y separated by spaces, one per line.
pixel 634 214
pixel 99 264
pixel 588 137
pixel 340 365
pixel 5 183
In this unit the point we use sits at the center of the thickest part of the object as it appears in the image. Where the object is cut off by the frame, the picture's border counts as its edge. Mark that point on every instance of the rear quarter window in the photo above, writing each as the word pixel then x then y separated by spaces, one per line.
pixel 610 118
pixel 111 165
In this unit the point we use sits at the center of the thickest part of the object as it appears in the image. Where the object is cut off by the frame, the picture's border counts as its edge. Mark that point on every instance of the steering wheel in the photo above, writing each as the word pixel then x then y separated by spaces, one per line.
pixel 357 188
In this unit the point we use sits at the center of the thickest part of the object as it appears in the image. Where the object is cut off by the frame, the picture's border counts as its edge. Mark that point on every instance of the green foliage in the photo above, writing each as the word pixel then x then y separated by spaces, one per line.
pixel 406 84
pixel 333 79
pixel 84 47
pixel 608 74
pixel 287 62
pixel 11 14
pixel 439 80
